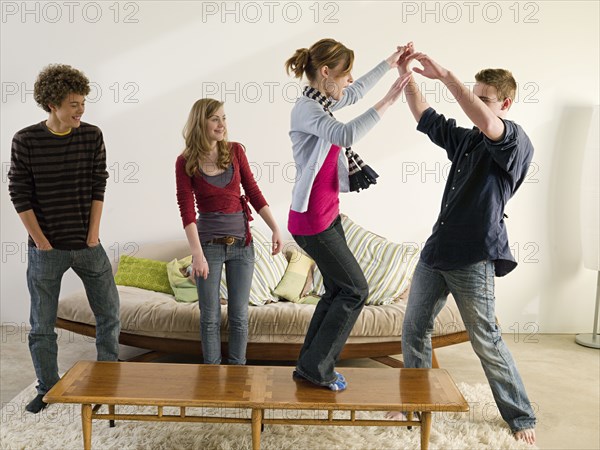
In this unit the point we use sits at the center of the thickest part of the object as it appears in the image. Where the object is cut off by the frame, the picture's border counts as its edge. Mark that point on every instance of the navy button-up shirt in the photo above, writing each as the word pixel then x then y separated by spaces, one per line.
pixel 484 175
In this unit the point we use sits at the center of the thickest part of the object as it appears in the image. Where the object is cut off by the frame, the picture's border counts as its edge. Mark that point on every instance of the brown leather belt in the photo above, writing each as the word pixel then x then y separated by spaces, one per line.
pixel 227 240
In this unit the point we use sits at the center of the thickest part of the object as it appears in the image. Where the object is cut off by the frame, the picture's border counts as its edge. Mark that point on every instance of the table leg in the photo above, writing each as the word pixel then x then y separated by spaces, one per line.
pixel 425 429
pixel 86 426
pixel 111 410
pixel 256 424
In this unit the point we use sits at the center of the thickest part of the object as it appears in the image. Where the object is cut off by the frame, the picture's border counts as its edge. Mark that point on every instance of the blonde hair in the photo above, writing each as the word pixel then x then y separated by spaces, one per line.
pixel 326 52
pixel 501 79
pixel 197 146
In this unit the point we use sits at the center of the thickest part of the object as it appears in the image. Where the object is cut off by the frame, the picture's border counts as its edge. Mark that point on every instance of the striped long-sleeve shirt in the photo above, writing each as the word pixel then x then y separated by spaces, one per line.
pixel 58 177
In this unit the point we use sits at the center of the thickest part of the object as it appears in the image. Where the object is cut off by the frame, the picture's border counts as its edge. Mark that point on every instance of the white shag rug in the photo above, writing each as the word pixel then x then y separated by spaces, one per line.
pixel 58 427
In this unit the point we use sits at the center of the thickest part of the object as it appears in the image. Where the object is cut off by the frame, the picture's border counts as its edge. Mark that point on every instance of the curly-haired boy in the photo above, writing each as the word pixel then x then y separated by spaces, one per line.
pixel 57 180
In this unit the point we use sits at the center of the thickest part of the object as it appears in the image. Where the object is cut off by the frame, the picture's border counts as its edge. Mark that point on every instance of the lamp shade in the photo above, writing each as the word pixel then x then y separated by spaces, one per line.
pixel 590 196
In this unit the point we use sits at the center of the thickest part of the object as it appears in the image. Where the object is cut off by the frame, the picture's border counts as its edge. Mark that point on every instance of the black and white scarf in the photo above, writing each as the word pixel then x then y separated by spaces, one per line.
pixel 361 176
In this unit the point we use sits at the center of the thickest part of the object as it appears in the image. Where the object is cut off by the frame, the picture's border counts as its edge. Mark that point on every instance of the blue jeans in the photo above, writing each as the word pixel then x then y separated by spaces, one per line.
pixel 239 268
pixel 473 289
pixel 45 269
pixel 346 290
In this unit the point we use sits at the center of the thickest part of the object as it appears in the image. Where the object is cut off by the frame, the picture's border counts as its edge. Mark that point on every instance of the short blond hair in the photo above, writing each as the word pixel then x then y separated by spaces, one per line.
pixel 501 79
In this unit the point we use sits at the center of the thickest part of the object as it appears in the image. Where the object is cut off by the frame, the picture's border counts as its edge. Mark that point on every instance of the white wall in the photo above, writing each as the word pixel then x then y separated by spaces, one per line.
pixel 155 59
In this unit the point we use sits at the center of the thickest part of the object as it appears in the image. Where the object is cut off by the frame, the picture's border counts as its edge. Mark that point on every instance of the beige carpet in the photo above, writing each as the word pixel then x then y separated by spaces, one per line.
pixel 59 427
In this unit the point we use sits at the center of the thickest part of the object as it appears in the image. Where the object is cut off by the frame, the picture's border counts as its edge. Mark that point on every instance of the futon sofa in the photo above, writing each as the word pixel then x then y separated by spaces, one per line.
pixel 158 322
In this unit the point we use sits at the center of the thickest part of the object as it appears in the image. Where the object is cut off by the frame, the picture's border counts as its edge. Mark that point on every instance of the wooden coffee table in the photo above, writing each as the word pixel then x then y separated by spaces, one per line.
pixel 255 388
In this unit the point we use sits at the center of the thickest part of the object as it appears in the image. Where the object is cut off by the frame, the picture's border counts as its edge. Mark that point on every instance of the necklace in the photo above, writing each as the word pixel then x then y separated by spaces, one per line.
pixel 208 160
pixel 209 166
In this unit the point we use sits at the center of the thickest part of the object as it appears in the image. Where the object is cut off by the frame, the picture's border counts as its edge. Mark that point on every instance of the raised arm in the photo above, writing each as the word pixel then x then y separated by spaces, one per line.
pixel 442 131
pixel 309 117
pixel 364 84
pixel 415 99
pixel 481 116
pixel 392 95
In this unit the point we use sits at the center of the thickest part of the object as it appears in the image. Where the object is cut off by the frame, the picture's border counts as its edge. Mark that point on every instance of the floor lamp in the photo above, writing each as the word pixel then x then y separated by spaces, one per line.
pixel 590 219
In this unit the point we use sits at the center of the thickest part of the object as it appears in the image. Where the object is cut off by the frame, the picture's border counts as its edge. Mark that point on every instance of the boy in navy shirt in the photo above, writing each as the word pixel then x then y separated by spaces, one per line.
pixel 469 243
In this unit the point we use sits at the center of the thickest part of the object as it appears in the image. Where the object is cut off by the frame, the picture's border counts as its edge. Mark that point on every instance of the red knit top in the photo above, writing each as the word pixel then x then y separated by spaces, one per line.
pixel 324 200
pixel 210 198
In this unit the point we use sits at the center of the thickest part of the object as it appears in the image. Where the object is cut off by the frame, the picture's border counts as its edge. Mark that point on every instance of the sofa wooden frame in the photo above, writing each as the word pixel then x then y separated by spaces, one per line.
pixel 263 351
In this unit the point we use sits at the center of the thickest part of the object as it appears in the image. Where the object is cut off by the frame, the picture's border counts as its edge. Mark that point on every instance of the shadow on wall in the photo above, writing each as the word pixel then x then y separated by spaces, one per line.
pixel 564 208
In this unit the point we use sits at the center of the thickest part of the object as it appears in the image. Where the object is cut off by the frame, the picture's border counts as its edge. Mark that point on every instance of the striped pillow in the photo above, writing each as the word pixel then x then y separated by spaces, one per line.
pixel 388 267
pixel 268 271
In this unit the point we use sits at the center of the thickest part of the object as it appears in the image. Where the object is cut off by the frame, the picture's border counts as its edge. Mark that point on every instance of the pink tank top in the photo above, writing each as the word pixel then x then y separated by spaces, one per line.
pixel 324 201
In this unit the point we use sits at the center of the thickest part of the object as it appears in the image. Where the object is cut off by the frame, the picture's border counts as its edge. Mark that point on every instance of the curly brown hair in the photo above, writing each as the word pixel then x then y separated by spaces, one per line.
pixel 55 82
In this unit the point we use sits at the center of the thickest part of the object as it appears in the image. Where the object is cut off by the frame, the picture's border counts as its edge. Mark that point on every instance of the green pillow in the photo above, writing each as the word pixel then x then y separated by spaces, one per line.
pixel 310 299
pixel 143 273
pixel 183 286
pixel 297 279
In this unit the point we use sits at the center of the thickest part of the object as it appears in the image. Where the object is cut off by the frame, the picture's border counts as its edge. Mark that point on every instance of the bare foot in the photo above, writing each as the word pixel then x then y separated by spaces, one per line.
pixel 527 435
pixel 395 415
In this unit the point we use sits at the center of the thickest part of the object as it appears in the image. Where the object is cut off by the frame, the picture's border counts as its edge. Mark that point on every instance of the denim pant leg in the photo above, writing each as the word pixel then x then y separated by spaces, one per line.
pixel 45 269
pixel 428 294
pixel 331 290
pixel 93 267
pixel 473 289
pixel 239 269
pixel 209 303
pixel 339 268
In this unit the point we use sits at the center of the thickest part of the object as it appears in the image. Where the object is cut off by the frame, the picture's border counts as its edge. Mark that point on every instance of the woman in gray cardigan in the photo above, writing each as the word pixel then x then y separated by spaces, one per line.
pixel 322 172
